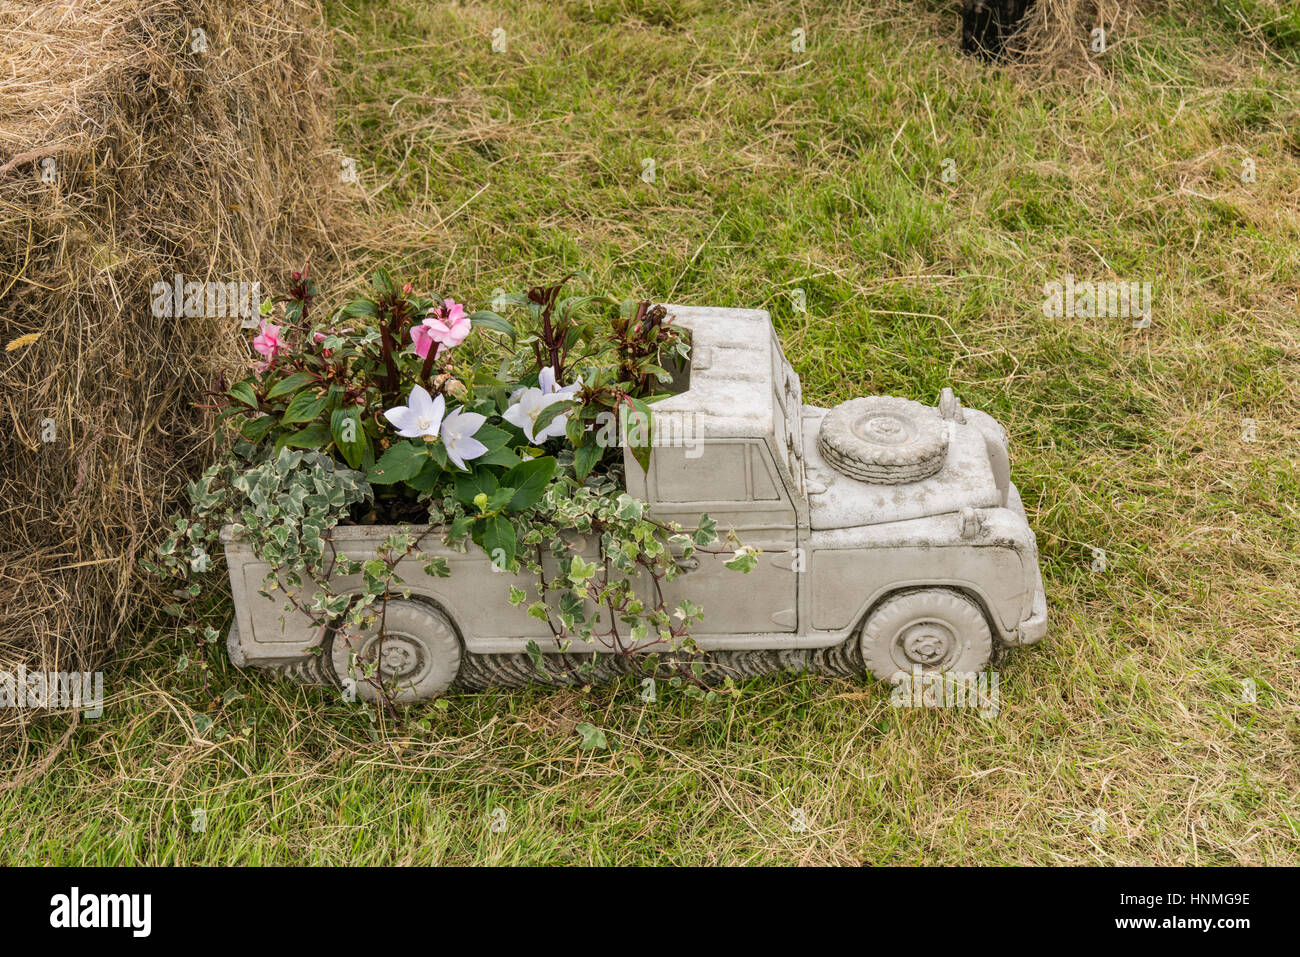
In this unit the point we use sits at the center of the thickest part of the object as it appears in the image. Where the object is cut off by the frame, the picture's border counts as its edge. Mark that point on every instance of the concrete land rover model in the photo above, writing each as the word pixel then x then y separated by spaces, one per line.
pixel 892 540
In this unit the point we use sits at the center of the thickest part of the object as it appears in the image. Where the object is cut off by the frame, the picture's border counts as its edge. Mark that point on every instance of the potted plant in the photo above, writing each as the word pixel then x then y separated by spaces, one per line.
pixel 419 497
pixel 404 438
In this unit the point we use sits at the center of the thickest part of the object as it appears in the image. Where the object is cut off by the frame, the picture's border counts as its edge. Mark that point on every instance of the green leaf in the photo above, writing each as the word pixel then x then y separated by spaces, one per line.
pixel 492 437
pixel 255 430
pixel 574 429
pixel 490 320
pixel 593 739
pixel 586 457
pixel 659 372
pixel 499 499
pixel 707 531
pixel 353 451
pixel 290 383
pixel 580 571
pixel 437 452
pixel 470 484
pixel 244 393
pixel 459 527
pixel 313 437
pixel 499 540
pixel 429 475
pixel 361 307
pixel 637 434
pixel 745 560
pixel 552 412
pixel 502 457
pixel 383 282
pixel 529 480
pixel 401 462
pixel 482 378
pixel 303 407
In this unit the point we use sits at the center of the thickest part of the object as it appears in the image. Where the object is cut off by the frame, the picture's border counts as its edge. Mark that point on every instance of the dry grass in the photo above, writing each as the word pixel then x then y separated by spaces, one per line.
pixel 164 160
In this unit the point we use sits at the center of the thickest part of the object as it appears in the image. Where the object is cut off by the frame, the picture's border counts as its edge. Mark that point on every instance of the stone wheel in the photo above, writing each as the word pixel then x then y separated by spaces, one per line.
pixel 419 655
pixel 884 440
pixel 936 629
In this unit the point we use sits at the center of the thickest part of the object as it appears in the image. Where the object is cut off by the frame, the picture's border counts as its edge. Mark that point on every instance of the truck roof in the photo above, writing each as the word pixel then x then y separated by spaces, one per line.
pixel 734 357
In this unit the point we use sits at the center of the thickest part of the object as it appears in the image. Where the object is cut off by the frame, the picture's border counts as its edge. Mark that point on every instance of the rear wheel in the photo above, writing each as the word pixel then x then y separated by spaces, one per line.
pixel 419 654
pixel 935 630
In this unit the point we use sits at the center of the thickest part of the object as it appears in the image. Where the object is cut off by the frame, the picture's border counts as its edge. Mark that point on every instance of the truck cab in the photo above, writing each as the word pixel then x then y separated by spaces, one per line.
pixel 860 521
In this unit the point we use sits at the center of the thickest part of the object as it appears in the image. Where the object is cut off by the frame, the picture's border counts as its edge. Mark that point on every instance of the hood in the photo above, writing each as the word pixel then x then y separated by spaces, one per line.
pixel 837 501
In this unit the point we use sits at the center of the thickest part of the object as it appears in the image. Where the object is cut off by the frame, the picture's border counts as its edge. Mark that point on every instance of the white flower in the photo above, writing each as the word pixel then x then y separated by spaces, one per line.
pixel 546 379
pixel 422 417
pixel 458 436
pixel 529 406
pixel 529 403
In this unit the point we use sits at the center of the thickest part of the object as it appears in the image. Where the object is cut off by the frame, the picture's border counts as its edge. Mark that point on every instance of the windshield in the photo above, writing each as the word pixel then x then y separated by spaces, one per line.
pixel 789 397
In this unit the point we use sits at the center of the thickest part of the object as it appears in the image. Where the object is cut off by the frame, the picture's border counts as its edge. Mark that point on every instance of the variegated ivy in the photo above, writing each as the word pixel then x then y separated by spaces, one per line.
pixel 395 407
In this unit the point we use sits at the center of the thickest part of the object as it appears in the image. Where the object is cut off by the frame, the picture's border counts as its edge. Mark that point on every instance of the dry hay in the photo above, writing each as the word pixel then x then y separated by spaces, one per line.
pixel 1052 33
pixel 167 158
pixel 1059 33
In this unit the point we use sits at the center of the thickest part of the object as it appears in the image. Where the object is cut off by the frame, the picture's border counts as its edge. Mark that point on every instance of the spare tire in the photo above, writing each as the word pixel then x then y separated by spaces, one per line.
pixel 884 440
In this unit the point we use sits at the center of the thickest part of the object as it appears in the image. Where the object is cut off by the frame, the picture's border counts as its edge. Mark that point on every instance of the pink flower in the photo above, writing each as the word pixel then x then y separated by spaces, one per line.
pixel 268 343
pixel 446 325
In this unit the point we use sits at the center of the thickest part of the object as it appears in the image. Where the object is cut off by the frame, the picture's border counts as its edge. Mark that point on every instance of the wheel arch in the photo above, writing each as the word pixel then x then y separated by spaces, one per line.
pixel 963 588
pixel 434 601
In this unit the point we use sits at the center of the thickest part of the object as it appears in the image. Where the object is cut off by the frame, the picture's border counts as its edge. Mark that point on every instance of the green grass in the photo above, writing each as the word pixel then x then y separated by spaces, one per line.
pixel 821 171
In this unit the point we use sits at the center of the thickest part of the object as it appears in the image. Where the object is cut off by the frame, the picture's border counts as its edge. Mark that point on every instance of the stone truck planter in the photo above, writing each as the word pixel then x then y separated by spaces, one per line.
pixel 892 538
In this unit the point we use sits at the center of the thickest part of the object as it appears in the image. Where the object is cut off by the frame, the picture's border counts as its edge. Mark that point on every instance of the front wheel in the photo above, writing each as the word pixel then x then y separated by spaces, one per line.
pixel 935 630
pixel 419 656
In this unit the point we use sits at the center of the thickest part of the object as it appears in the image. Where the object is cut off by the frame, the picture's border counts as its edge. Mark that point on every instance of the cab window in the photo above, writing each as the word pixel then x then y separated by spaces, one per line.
pixel 716 475
pixel 724 472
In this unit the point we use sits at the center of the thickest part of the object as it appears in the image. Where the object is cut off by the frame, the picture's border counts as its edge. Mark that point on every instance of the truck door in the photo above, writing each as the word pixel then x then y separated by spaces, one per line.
pixel 737 484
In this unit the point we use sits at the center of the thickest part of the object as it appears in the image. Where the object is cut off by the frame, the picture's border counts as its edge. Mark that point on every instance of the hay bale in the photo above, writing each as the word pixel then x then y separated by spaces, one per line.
pixel 1042 32
pixel 168 151
pixel 1059 32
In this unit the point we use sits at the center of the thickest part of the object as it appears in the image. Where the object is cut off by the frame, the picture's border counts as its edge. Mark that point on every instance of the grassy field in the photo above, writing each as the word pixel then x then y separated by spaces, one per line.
pixel 1127 737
